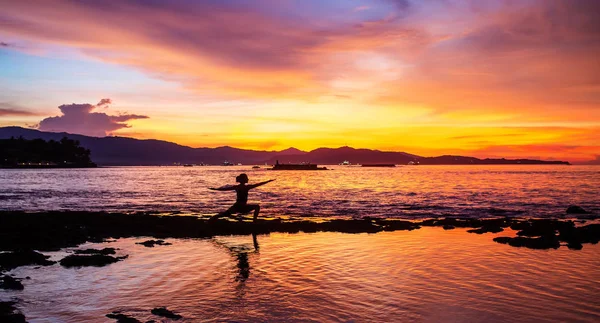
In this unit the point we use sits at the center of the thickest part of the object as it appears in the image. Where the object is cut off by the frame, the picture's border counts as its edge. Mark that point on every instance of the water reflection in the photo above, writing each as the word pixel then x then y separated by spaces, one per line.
pixel 426 275
pixel 240 252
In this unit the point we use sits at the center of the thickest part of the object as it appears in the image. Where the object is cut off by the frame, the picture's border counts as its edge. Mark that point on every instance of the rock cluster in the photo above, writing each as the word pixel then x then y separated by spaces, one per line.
pixel 96 260
pixel 10 314
pixel 152 243
pixel 8 282
pixel 23 257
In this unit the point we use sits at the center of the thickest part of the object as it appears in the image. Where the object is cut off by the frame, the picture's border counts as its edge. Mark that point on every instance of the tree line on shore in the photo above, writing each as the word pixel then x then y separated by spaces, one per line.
pixel 38 153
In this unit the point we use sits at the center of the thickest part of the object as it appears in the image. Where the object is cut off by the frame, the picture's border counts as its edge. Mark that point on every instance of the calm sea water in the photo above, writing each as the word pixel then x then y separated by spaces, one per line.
pixel 427 275
pixel 418 191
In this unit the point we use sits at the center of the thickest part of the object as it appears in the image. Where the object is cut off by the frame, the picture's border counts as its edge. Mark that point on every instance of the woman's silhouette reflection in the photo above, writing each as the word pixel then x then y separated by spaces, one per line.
pixel 240 253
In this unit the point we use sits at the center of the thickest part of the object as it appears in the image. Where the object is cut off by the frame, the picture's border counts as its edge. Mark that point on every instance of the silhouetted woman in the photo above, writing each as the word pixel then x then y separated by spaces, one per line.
pixel 241 203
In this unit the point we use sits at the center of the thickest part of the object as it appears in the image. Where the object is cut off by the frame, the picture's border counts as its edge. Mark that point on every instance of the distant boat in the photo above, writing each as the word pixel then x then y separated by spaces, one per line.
pixel 255 167
pixel 413 163
pixel 226 163
pixel 188 165
pixel 303 166
pixel 378 165
pixel 345 163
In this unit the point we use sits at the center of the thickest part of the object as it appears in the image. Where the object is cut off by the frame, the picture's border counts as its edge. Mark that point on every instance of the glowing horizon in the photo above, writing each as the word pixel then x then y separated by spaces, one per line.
pixel 496 78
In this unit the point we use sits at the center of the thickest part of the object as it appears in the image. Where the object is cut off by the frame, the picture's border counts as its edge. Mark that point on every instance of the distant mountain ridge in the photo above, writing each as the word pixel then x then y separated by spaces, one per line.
pixel 122 151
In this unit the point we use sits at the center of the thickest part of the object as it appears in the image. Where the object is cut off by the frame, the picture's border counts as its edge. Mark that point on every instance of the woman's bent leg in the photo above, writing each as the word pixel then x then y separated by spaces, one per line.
pixel 256 211
pixel 219 215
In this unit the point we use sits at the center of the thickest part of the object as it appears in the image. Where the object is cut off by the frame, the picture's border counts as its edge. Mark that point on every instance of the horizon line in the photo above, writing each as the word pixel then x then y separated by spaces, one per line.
pixel 578 162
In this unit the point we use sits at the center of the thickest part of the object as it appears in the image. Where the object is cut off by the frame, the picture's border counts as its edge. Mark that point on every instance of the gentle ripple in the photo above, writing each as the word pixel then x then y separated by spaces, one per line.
pixel 411 192
pixel 427 275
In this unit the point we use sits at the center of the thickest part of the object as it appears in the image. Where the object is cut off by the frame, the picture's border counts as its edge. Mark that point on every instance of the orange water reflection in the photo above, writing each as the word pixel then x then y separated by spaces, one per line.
pixel 418 191
pixel 426 275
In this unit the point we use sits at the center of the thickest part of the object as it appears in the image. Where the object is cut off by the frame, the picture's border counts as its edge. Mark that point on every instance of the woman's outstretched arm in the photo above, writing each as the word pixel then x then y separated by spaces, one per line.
pixel 259 184
pixel 224 188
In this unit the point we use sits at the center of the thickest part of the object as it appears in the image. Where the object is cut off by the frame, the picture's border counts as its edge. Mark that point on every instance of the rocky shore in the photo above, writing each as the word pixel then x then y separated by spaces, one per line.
pixel 24 237
pixel 51 231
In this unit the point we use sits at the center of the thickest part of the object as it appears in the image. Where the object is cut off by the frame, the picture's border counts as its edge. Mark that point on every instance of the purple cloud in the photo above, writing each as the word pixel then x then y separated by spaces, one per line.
pixel 80 118
pixel 104 102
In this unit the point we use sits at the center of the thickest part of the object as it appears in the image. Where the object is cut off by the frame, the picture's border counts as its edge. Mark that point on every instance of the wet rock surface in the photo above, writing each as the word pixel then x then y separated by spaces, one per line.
pixel 164 312
pixel 152 243
pixel 550 233
pixel 487 229
pixel 89 260
pixel 10 314
pixel 122 318
pixel 56 230
pixel 22 257
pixel 544 242
pixel 7 282
pixel 105 251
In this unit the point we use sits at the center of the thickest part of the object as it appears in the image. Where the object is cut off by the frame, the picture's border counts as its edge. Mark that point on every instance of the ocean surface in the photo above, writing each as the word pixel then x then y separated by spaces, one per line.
pixel 406 191
pixel 426 275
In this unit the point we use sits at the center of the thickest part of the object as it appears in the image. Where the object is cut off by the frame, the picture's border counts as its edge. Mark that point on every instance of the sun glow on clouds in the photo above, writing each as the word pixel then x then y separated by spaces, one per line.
pixel 487 78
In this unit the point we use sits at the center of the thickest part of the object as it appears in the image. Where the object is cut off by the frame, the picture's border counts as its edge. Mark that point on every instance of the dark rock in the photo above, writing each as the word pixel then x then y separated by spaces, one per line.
pixel 152 243
pixel 56 230
pixel 574 245
pixel 488 228
pixel 518 226
pixel 487 225
pixel 105 251
pixel 11 260
pixel 122 318
pixel 543 242
pixel 164 312
pixel 537 231
pixel 351 226
pixel 7 282
pixel 10 314
pixel 89 260
pixel 544 227
pixel 393 225
pixel 589 233
pixel 448 227
pixel 574 209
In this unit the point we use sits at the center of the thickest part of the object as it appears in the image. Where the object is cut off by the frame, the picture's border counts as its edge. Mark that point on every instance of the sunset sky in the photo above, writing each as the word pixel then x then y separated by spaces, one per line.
pixel 496 78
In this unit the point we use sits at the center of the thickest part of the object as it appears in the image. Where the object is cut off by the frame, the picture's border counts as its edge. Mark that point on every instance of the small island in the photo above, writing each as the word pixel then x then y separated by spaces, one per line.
pixel 38 153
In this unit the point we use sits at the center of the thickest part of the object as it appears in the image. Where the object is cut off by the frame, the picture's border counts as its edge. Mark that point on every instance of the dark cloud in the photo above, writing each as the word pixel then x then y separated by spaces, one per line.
pixel 14 112
pixel 104 102
pixel 7 109
pixel 80 118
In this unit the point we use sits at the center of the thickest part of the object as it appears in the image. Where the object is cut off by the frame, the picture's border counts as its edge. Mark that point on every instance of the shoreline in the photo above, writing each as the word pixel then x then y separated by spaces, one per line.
pixel 54 230
pixel 25 236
